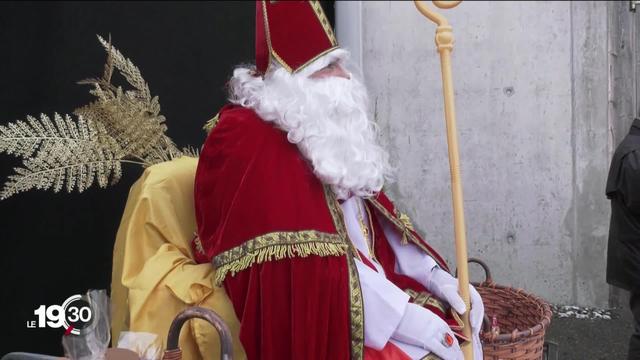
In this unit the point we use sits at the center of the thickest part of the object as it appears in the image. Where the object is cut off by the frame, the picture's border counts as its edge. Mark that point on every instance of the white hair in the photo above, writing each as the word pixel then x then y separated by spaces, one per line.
pixel 325 117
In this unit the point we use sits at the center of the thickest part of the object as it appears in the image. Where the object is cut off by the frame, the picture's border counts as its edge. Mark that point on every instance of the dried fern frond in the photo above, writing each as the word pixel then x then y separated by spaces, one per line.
pixel 120 126
pixel 70 154
pixel 108 66
pixel 23 138
pixel 132 116
pixel 126 68
pixel 190 151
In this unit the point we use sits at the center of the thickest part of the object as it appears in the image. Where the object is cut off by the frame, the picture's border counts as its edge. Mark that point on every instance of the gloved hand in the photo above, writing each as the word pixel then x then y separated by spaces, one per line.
pixel 445 287
pixel 421 327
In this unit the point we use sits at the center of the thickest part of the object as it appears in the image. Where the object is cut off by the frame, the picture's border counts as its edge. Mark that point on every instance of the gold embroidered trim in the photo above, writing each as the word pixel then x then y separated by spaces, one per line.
pixel 280 60
pixel 198 244
pixel 276 246
pixel 355 292
pixel 373 235
pixel 403 228
pixel 268 35
pixel 424 298
pixel 357 311
pixel 460 325
pixel 431 357
pixel 315 58
pixel 317 8
pixel 336 213
pixel 327 29
pixel 408 226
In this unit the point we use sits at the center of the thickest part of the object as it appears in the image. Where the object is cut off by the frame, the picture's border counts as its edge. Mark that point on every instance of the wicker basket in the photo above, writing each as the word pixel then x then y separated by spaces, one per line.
pixel 522 318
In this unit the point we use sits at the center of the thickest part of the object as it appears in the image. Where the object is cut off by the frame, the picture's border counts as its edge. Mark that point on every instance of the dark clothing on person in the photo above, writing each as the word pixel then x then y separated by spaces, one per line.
pixel 634 342
pixel 623 255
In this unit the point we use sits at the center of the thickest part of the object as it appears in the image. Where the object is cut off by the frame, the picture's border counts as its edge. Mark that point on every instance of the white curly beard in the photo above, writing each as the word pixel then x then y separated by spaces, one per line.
pixel 327 119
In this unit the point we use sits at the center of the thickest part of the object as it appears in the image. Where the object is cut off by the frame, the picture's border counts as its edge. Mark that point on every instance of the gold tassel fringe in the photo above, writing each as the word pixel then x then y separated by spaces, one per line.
pixel 278 252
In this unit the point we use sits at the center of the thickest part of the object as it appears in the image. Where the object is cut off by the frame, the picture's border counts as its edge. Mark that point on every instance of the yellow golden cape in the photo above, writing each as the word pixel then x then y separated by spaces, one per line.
pixel 154 275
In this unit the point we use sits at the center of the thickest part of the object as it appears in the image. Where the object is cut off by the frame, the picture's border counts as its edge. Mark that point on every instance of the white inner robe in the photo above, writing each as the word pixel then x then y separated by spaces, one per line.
pixel 384 302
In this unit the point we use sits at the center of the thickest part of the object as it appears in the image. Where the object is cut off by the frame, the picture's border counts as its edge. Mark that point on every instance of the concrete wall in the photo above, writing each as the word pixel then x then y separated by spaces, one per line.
pixel 624 78
pixel 532 85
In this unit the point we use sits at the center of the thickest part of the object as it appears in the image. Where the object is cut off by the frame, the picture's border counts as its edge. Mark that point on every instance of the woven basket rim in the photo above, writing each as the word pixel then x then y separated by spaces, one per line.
pixel 518 335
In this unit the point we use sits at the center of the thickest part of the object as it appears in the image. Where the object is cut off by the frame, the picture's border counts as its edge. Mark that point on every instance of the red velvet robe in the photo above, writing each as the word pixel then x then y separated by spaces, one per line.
pixel 276 236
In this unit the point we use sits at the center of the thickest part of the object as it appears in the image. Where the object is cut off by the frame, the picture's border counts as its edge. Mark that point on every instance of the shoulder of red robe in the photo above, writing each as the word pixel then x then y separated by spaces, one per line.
pixel 257 198
pixel 385 206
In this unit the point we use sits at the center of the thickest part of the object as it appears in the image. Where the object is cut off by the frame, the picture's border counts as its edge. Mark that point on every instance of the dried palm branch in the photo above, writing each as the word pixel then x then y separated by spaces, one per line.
pixel 120 126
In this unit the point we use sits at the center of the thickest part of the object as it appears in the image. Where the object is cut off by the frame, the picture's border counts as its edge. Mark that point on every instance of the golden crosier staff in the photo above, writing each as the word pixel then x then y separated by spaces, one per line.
pixel 444 42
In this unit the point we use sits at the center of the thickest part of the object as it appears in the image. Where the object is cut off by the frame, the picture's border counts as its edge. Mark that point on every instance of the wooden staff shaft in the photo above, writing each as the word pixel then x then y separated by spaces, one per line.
pixel 456 194
pixel 444 42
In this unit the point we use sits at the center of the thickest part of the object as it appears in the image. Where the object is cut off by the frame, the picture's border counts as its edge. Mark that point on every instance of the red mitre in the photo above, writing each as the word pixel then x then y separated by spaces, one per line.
pixel 293 33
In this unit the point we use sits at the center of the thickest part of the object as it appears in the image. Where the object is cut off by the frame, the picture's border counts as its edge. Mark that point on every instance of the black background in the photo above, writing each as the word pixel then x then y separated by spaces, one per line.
pixel 57 245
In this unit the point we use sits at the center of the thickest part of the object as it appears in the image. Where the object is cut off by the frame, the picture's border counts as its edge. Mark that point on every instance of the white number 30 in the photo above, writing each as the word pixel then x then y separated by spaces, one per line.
pixel 83 314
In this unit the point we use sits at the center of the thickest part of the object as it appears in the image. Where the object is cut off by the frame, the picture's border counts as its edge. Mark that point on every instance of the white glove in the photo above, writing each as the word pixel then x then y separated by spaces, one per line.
pixel 421 327
pixel 445 287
